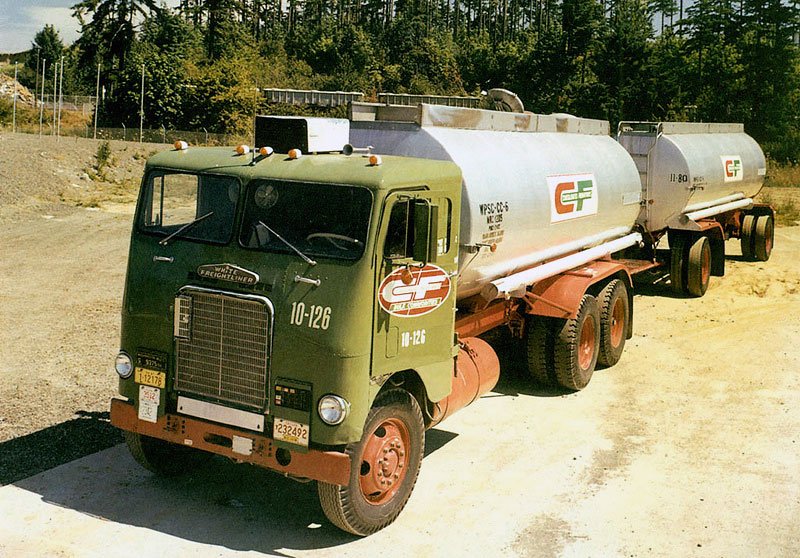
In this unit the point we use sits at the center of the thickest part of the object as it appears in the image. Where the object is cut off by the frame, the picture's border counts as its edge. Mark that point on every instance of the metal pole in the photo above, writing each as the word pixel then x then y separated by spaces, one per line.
pixel 55 87
pixel 60 95
pixel 36 87
pixel 41 97
pixel 14 118
pixel 141 109
pixel 96 100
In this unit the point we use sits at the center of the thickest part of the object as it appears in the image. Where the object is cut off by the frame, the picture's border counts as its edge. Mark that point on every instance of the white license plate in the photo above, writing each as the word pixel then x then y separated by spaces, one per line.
pixel 149 398
pixel 290 431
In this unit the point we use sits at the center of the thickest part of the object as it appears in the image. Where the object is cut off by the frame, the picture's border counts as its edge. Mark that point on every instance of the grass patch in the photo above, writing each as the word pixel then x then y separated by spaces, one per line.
pixel 782 175
pixel 787 208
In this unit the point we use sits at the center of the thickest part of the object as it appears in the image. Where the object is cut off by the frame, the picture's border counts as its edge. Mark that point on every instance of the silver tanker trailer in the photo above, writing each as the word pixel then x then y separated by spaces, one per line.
pixel 698 183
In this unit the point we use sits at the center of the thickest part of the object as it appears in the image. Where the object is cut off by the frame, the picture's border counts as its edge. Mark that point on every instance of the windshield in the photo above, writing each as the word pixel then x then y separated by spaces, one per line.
pixel 326 220
pixel 196 207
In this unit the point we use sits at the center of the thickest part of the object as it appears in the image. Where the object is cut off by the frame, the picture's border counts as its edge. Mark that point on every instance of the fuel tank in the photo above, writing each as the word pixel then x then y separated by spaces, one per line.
pixel 534 186
pixel 685 166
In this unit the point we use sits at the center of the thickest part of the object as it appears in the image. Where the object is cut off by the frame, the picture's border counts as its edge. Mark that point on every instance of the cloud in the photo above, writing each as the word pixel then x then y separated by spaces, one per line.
pixel 19 26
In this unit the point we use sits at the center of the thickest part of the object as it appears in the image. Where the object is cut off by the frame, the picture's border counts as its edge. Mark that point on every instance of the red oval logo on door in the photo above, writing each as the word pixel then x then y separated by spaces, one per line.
pixel 429 288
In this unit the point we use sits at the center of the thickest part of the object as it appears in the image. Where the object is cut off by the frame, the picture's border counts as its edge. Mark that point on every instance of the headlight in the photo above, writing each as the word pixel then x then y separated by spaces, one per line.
pixel 332 409
pixel 123 366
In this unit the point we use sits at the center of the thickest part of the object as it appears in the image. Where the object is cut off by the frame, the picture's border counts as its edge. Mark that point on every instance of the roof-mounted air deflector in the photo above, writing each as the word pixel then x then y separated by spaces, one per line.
pixel 310 135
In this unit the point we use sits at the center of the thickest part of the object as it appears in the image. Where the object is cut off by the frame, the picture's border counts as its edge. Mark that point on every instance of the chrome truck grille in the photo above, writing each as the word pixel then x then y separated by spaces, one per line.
pixel 223 346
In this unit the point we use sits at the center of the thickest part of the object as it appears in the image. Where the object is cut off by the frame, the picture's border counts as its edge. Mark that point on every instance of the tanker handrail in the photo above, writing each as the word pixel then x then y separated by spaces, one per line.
pixel 508 286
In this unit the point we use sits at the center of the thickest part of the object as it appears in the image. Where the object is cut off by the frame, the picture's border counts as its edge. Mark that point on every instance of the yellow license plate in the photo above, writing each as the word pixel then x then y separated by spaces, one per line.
pixel 150 378
pixel 290 431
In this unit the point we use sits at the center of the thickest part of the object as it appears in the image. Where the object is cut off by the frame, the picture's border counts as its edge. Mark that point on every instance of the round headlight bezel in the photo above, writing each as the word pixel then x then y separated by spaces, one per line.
pixel 123 365
pixel 332 403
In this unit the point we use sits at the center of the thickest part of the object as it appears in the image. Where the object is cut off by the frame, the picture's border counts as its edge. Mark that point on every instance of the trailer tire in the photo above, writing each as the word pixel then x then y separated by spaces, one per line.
pixel 746 236
pixel 163 458
pixel 577 345
pixel 390 451
pixel 679 248
pixel 539 350
pixel 614 316
pixel 699 268
pixel 763 238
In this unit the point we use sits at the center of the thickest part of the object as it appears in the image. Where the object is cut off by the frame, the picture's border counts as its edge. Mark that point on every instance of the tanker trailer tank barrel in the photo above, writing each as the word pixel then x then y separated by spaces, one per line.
pixel 507 286
pixel 717 209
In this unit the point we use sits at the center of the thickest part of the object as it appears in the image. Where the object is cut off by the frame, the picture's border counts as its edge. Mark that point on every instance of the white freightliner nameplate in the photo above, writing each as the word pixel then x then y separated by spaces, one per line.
pixel 218 413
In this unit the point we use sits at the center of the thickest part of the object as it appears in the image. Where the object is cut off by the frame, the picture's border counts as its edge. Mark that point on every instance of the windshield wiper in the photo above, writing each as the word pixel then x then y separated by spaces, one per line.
pixel 186 227
pixel 308 260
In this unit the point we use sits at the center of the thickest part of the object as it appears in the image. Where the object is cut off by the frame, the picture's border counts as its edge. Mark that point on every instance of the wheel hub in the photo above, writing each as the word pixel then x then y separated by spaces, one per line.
pixel 385 461
pixel 586 345
pixel 617 322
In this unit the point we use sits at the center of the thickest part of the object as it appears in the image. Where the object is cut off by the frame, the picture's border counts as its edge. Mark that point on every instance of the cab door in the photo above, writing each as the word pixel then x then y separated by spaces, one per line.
pixel 415 288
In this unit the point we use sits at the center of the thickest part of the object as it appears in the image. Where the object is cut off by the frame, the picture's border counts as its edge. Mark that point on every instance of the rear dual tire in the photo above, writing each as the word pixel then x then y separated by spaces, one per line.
pixel 757 237
pixel 690 265
pixel 565 352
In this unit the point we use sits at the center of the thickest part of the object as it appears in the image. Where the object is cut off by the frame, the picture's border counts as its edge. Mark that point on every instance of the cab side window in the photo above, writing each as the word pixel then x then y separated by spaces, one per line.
pixel 399 238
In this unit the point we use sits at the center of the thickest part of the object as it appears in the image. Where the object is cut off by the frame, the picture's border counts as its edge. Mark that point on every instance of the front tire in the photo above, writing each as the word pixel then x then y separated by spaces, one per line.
pixel 163 458
pixel 385 465
pixel 698 272
pixel 679 253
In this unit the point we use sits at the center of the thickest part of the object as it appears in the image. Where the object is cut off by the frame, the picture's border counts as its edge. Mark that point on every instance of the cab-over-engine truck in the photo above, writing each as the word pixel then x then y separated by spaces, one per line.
pixel 313 310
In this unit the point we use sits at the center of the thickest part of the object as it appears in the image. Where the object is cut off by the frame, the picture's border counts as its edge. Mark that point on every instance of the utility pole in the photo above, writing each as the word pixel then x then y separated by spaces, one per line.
pixel 41 97
pixel 36 87
pixel 55 88
pixel 60 95
pixel 141 109
pixel 14 118
pixel 96 100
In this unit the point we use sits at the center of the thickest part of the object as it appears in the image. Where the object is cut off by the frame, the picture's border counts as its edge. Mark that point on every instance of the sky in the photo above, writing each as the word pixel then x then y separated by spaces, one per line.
pixel 20 20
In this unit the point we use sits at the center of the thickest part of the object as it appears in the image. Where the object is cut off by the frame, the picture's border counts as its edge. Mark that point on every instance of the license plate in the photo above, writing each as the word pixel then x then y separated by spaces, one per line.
pixel 150 377
pixel 290 431
pixel 149 398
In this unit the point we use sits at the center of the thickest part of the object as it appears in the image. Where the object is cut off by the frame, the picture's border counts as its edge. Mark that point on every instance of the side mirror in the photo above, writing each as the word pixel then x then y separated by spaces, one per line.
pixel 426 229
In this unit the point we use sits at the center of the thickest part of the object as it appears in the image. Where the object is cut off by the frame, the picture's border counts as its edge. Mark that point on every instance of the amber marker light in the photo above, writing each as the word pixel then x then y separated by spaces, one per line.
pixel 295 153
pixel 181 145
pixel 375 160
pixel 265 151
pixel 242 149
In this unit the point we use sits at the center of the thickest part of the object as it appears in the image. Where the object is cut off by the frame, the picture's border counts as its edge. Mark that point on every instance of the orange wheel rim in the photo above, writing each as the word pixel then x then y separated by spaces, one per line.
pixel 617 322
pixel 586 345
pixel 706 266
pixel 769 235
pixel 384 462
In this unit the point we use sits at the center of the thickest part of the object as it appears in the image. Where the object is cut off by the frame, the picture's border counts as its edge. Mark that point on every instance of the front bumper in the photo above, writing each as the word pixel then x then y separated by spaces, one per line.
pixel 327 466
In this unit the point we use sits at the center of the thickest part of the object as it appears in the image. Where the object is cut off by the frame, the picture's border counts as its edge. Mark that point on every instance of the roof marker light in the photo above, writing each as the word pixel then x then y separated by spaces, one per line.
pixel 242 149
pixel 266 151
pixel 295 154
pixel 375 160
pixel 180 145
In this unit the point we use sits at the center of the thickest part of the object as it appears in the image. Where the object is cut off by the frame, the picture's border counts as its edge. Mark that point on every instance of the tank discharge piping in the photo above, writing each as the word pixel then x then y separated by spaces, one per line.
pixel 716 210
pixel 505 287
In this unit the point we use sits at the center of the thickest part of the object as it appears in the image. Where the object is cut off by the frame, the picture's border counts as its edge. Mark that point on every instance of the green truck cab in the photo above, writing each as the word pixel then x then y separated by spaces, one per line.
pixel 266 318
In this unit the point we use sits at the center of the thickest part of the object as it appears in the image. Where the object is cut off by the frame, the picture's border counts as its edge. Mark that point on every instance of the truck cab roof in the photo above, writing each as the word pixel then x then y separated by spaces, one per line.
pixel 393 172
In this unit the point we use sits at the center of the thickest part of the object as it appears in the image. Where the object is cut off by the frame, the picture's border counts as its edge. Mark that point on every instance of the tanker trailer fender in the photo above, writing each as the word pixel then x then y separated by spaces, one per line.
pixel 560 296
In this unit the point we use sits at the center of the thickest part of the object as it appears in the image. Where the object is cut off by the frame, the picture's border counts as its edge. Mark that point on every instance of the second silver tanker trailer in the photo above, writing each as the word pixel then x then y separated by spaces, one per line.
pixel 314 313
